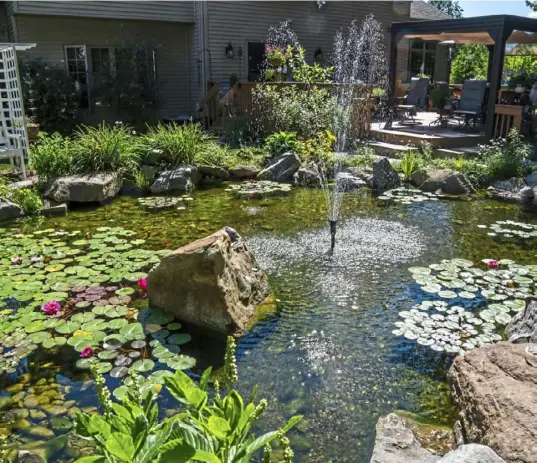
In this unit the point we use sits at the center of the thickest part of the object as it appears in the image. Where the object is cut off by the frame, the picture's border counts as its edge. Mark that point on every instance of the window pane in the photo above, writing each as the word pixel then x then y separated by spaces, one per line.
pixel 70 53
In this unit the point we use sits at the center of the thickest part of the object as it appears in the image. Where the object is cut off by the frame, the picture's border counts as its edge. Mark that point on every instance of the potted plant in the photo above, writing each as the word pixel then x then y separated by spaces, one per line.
pixel 438 97
pixel 276 56
pixel 32 129
pixel 520 82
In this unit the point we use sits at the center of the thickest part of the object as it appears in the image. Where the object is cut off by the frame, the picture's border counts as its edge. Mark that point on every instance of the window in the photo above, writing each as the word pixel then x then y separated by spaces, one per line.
pixel 422 58
pixel 77 68
pixel 100 60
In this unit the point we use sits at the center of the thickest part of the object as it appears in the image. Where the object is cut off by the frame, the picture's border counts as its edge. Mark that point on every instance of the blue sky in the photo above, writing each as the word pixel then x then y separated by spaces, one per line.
pixel 483 8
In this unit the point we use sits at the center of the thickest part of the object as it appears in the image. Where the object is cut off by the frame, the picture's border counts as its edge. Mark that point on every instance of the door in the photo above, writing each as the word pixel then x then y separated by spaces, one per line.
pixel 256 58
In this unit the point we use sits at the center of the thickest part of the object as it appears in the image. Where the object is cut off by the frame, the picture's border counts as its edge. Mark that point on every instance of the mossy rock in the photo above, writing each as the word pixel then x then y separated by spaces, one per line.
pixel 14 388
pixel 40 432
pixel 37 414
pixel 55 410
pixel 61 424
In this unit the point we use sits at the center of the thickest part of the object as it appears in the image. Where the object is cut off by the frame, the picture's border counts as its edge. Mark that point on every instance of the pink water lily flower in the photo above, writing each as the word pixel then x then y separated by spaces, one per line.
pixel 35 260
pixel 51 308
pixel 16 260
pixel 493 264
pixel 87 352
pixel 142 284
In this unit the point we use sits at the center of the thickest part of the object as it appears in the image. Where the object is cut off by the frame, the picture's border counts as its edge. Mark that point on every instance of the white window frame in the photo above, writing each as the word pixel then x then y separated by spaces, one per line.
pixel 85 47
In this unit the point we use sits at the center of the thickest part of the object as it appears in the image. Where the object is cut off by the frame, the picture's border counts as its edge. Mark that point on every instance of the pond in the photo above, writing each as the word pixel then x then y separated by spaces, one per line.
pixel 324 349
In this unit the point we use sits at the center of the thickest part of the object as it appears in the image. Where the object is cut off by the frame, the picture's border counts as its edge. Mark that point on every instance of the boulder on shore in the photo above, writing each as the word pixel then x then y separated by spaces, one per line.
pixel 213 283
pixel 94 188
pixel 495 389
pixel 281 168
pixel 471 453
pixel 308 175
pixel 244 172
pixel 384 175
pixel 345 181
pixel 523 326
pixel 9 210
pixel 183 178
pixel 449 181
pixel 395 443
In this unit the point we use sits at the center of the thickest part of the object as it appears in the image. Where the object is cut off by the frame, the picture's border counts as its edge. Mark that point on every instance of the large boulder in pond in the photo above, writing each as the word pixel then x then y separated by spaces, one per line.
pixel 384 175
pixel 281 168
pixel 523 326
pixel 308 175
pixel 213 283
pixel 85 188
pixel 495 390
pixel 183 178
pixel 395 443
pixel 9 210
pixel 471 453
pixel 451 182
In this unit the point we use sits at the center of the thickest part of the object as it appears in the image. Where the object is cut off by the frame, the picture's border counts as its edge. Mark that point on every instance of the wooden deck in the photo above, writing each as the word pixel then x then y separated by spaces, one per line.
pixel 439 137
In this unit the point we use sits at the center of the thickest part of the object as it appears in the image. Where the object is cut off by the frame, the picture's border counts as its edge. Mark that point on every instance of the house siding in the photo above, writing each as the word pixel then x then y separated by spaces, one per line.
pixel 175 11
pixel 249 21
pixel 173 56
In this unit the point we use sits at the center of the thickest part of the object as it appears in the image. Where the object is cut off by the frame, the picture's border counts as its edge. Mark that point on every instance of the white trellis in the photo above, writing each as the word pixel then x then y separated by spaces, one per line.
pixel 13 134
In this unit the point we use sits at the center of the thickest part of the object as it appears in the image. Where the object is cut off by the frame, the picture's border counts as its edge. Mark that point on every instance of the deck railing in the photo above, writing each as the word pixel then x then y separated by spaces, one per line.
pixel 238 105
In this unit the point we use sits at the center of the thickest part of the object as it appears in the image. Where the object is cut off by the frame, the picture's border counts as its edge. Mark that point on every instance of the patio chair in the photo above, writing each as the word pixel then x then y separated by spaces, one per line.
pixel 415 98
pixel 470 106
pixel 11 148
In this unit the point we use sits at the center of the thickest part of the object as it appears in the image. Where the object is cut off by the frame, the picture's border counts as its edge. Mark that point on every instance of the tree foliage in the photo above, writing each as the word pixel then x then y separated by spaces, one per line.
pixel 448 6
pixel 471 62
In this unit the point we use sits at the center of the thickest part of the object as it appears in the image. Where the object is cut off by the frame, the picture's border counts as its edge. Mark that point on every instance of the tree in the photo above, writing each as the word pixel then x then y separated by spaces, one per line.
pixel 471 62
pixel 531 4
pixel 450 7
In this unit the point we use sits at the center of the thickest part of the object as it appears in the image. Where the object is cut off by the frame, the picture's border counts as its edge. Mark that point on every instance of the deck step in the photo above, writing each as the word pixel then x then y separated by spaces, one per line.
pixel 455 153
pixel 391 150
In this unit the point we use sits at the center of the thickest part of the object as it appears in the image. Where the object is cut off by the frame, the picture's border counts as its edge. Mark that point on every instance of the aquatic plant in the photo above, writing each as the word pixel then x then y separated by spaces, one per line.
pixel 281 142
pixel 258 189
pixel 409 164
pixel 214 429
pixel 51 308
pixel 501 289
pixel 408 196
pixel 87 352
pixel 510 229
pixel 51 156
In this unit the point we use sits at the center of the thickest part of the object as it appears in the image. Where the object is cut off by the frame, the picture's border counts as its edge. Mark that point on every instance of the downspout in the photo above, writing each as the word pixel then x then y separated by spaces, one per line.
pixel 204 42
pixel 189 58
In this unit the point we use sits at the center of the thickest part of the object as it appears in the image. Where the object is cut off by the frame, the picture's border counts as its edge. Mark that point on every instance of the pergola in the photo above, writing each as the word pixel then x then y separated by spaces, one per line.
pixel 493 31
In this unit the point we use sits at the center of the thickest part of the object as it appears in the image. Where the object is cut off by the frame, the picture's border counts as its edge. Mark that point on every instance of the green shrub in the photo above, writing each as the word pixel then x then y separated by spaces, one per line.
pixel 51 156
pixel 281 142
pixel 505 158
pixel 363 157
pixel 27 199
pixel 410 163
pixel 176 144
pixel 256 156
pixel 318 149
pixel 104 148
pixel 213 429
pixel 217 155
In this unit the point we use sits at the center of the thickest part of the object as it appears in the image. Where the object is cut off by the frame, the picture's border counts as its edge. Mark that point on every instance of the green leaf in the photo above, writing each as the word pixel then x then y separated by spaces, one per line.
pixel 92 459
pixel 96 425
pixel 292 422
pixel 218 427
pixel 260 442
pixel 120 445
pixel 204 382
pixel 233 408
pixel 122 412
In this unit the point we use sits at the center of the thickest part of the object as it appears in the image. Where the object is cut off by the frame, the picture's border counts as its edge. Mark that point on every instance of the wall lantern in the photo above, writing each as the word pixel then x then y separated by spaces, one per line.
pixel 229 50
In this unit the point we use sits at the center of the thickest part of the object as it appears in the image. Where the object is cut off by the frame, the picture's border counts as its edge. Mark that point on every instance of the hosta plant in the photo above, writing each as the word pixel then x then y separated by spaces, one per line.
pixel 213 429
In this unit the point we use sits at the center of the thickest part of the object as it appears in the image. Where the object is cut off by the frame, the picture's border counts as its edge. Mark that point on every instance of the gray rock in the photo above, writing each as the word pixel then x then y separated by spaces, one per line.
pixel 213 283
pixel 281 168
pixel 527 192
pixel 181 179
pixel 395 443
pixel 23 184
pixel 9 210
pixel 384 175
pixel 308 175
pixel 84 188
pixel 449 181
pixel 513 185
pixel 52 209
pixel 214 171
pixel 149 172
pixel 471 453
pixel 244 172
pixel 531 179
pixel 363 173
pixel 347 182
pixel 24 456
pixel 523 326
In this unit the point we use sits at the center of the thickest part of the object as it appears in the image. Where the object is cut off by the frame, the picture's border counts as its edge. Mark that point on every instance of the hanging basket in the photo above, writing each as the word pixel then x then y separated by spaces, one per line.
pixel 275 61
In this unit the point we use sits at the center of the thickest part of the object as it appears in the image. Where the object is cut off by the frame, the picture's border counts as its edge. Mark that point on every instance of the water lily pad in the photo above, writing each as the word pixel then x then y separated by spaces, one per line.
pixel 107 354
pixel 143 366
pixel 119 372
pixel 104 367
pixel 125 291
pixel 68 327
pixel 181 362
pixel 179 338
pixel 83 317
pixel 85 364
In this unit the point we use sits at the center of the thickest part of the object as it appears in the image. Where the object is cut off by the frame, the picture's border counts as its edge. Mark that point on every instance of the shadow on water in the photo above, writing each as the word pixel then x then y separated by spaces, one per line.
pixel 326 350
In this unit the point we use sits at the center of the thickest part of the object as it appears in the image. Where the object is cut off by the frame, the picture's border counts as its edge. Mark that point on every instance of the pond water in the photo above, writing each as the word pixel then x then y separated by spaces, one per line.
pixel 325 349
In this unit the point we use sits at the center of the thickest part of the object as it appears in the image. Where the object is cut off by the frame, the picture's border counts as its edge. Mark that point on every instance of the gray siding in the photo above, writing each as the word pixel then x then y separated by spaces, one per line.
pixel 248 21
pixel 173 56
pixel 175 11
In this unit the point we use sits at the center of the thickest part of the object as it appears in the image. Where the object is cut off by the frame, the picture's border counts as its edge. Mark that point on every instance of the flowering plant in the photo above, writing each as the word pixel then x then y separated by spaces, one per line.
pixel 87 352
pixel 276 56
pixel 51 308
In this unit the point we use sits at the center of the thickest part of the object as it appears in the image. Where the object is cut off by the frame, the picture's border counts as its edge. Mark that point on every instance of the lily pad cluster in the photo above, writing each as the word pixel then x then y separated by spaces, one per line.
pixel 511 228
pixel 409 196
pixel 160 203
pixel 466 305
pixel 259 189
pixel 95 283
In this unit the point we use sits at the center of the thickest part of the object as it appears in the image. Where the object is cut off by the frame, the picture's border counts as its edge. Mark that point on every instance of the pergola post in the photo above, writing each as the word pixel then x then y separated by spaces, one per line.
pixel 392 74
pixel 499 36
